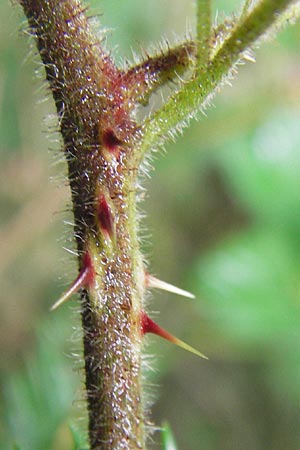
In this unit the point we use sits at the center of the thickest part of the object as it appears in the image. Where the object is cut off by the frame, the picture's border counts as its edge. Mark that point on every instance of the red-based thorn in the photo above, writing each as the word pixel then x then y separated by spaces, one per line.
pixel 149 326
pixel 105 218
pixel 110 141
pixel 84 279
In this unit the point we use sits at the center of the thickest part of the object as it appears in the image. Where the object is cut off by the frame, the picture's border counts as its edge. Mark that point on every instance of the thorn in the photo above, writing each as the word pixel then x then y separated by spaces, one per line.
pixel 152 282
pixel 149 326
pixel 106 218
pixel 84 278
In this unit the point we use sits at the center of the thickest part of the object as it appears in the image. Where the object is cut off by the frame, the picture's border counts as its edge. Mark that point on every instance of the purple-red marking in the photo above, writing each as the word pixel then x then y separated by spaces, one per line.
pixel 87 271
pixel 85 278
pixel 105 217
pixel 110 141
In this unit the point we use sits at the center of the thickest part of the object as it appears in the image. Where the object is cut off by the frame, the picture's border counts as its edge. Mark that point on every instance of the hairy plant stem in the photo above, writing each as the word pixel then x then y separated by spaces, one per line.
pixel 95 103
pixel 203 32
pixel 95 123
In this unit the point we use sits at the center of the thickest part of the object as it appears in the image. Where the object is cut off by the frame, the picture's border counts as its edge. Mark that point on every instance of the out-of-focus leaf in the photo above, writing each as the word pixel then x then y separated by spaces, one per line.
pixel 17 447
pixel 138 26
pixel 251 287
pixel 168 440
pixel 263 169
pixel 282 372
pixel 39 398
pixel 79 439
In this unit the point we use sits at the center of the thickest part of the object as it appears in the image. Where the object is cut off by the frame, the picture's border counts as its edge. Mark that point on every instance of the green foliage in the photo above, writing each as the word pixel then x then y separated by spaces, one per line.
pixel 16 447
pixel 252 276
pixel 264 176
pixel 250 281
pixel 38 399
pixel 168 440
pixel 80 441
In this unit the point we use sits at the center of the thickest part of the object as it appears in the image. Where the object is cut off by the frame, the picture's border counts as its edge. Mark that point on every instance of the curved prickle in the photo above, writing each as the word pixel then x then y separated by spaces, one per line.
pixel 149 326
pixel 84 279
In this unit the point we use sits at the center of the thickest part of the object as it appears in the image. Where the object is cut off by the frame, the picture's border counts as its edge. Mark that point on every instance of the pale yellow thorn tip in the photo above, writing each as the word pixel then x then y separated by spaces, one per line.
pixel 61 300
pixel 187 347
pixel 153 282
pixel 149 326
pixel 78 283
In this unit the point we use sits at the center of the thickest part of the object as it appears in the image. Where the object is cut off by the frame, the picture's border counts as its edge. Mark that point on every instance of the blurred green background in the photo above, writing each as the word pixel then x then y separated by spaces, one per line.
pixel 222 220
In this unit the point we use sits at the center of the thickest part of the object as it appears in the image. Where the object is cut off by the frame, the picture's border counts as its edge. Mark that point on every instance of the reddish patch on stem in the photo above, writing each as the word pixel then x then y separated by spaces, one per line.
pixel 110 141
pixel 87 273
pixel 105 217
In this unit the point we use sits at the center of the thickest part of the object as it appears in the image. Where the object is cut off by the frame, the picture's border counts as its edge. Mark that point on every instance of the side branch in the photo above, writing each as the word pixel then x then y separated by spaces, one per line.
pixel 203 32
pixel 145 78
pixel 183 105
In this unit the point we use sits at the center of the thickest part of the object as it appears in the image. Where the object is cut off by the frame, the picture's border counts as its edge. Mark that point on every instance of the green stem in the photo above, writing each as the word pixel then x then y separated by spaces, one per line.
pixel 203 32
pixel 195 93
pixel 246 8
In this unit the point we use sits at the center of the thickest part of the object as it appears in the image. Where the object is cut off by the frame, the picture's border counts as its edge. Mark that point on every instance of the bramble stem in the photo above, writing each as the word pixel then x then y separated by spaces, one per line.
pixel 95 103
pixel 98 133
